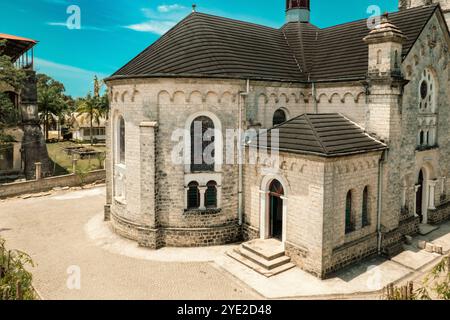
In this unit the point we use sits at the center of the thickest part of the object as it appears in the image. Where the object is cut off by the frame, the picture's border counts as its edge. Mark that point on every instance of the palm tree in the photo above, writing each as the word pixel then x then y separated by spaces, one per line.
pixel 51 99
pixel 93 107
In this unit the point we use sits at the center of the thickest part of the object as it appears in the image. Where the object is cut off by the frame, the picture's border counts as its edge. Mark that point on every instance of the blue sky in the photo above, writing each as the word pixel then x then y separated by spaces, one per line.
pixel 114 31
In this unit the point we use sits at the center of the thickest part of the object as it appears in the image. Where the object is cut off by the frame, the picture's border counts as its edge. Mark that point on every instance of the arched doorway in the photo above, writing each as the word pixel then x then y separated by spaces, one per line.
pixel 420 196
pixel 276 193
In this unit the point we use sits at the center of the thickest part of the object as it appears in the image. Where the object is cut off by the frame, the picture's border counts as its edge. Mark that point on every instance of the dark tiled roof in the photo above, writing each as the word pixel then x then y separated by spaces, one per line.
pixel 327 135
pixel 208 46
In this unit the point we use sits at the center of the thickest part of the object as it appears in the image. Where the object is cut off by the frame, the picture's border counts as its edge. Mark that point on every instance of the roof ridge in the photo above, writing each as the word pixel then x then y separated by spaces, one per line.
pixel 363 130
pixel 315 133
pixel 232 19
pixel 292 51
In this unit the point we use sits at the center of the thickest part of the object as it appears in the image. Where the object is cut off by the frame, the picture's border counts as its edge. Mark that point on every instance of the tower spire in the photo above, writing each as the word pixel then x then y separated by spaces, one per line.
pixel 298 10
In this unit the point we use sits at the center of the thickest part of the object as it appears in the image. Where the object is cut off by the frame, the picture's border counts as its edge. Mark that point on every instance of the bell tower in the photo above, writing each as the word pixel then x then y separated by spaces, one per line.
pixel 298 10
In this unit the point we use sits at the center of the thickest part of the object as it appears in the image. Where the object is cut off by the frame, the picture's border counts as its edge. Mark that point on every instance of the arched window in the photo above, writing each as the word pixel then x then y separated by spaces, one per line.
pixel 202 144
pixel 379 57
pixel 365 208
pixel 279 117
pixel 421 138
pixel 349 223
pixel 211 195
pixel 121 141
pixel 427 92
pixel 396 59
pixel 276 188
pixel 193 196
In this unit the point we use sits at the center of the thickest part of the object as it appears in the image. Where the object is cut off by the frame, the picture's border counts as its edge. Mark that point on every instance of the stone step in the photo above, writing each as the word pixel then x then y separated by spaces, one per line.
pixel 256 267
pixel 267 264
pixel 267 249
pixel 425 229
pixel 393 250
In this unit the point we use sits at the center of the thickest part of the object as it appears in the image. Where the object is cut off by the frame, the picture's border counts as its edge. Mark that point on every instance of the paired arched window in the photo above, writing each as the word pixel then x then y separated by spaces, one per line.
pixel 202 144
pixel 193 196
pixel 201 197
pixel 365 208
pixel 121 140
pixel 211 195
pixel 279 117
pixel 349 221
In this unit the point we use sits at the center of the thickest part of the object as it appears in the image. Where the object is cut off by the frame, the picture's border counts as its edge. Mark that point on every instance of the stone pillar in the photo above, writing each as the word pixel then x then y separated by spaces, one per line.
pixel 431 194
pixel 148 173
pixel 74 165
pixel 33 141
pixel 108 167
pixel 202 198
pixel 38 168
pixel 263 213
pixel 404 192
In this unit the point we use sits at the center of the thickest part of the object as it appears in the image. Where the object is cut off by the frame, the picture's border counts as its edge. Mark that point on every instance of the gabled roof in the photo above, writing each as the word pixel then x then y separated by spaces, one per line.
pixel 16 46
pixel 203 45
pixel 326 135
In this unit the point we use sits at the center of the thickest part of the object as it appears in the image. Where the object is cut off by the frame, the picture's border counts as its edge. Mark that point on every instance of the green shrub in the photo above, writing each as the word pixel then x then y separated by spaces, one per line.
pixel 15 280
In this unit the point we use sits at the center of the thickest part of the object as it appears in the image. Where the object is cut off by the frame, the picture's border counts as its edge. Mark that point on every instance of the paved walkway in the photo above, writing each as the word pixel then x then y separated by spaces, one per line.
pixel 53 231
pixel 66 229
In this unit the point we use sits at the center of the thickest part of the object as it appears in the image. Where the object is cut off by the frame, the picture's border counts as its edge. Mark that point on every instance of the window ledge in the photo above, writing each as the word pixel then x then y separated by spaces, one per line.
pixel 426 148
pixel 201 212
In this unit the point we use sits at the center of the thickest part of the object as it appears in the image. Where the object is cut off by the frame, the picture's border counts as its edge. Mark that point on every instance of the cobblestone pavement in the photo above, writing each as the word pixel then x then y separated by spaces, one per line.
pixel 53 231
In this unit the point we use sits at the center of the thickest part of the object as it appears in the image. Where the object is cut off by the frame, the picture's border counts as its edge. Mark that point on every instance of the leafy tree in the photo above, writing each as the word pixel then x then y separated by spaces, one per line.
pixel 93 107
pixel 12 80
pixel 51 100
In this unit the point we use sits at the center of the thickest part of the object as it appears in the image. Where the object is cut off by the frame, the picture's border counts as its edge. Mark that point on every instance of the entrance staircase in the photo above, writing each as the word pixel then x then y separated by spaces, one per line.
pixel 266 257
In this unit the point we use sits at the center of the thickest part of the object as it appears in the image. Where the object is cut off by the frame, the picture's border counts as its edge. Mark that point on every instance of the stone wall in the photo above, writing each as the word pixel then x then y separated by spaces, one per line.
pixel 433 56
pixel 440 214
pixel 155 238
pixel 42 185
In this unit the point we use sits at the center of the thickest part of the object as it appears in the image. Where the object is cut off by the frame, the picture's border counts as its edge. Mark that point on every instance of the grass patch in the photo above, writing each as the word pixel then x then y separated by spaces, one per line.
pixel 62 162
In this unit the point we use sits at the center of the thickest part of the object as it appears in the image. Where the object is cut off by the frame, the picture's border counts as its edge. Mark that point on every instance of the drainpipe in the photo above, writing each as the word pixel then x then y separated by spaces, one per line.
pixel 380 199
pixel 241 107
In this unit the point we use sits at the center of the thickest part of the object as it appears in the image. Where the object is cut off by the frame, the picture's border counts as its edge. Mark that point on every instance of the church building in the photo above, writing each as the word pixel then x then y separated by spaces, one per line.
pixel 359 113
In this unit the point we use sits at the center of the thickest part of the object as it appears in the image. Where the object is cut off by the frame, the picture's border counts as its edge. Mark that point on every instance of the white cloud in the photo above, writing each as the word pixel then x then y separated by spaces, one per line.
pixel 171 7
pixel 158 27
pixel 83 27
pixel 161 19
pixel 46 64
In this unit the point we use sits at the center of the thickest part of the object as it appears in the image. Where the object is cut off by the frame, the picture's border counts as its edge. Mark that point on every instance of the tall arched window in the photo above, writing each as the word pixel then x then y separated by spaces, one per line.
pixel 396 64
pixel 202 144
pixel 193 196
pixel 365 208
pixel 421 138
pixel 349 222
pixel 121 141
pixel 379 57
pixel 427 92
pixel 211 195
pixel 279 117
